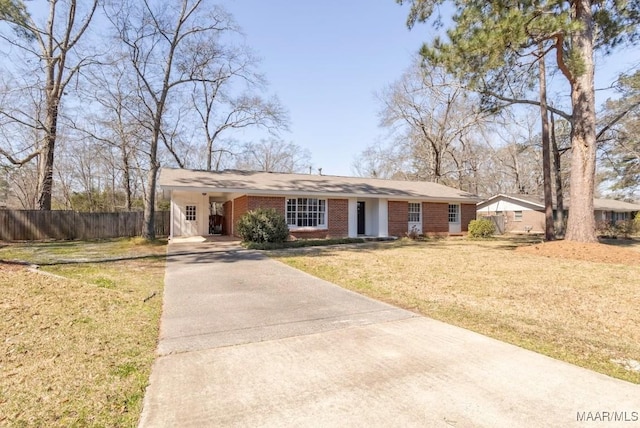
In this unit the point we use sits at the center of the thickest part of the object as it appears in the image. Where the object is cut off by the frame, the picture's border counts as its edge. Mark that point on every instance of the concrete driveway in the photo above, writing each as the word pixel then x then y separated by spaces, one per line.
pixel 248 341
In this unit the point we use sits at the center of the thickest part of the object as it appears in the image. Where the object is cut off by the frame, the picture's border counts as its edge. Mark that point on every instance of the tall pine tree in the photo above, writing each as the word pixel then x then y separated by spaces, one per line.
pixel 488 38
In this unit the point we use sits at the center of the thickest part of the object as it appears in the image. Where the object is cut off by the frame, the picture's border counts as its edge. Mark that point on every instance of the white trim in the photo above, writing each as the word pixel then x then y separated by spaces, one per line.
pixel 383 218
pixel 417 225
pixel 324 217
pixel 352 215
pixel 455 226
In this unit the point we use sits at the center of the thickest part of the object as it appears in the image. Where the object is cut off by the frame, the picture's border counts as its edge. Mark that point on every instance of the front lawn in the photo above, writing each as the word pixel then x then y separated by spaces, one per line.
pixel 77 348
pixel 582 312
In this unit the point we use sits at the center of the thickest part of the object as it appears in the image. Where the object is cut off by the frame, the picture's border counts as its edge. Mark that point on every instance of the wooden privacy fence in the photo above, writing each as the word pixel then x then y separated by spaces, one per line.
pixel 35 225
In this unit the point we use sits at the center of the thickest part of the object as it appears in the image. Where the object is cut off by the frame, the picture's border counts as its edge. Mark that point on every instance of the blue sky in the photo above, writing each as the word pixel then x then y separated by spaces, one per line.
pixel 325 59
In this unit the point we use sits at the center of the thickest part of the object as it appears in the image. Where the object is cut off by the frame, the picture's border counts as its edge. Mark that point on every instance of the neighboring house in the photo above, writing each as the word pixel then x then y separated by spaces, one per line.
pixel 315 206
pixel 612 211
pixel 517 213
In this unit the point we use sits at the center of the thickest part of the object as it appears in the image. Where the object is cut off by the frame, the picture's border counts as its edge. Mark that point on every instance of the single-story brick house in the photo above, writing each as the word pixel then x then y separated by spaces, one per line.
pixel 525 213
pixel 315 206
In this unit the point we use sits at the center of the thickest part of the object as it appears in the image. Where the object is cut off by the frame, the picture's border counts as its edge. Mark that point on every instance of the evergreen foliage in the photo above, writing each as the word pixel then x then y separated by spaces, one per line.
pixel 492 45
pixel 481 228
pixel 263 225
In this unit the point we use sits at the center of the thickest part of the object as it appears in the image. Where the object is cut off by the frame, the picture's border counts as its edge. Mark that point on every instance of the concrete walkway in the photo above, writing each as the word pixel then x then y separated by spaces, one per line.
pixel 247 341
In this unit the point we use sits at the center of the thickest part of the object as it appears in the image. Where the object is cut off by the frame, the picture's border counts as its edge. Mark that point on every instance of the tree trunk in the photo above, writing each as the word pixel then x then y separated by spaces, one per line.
pixel 209 152
pixel 126 178
pixel 149 229
pixel 558 176
pixel 45 167
pixel 581 225
pixel 546 156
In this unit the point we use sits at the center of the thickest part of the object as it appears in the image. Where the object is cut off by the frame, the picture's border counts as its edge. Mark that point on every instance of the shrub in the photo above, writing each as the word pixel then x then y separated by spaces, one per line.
pixel 606 229
pixel 622 228
pixel 263 225
pixel 413 233
pixel 636 223
pixel 481 228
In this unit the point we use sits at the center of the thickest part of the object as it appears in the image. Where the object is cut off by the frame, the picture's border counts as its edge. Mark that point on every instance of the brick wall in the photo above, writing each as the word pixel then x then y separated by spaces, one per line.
pixel 337 222
pixel 398 212
pixel 467 213
pixel 275 202
pixel 435 218
pixel 240 206
pixel 338 218
pixel 310 234
pixel 338 215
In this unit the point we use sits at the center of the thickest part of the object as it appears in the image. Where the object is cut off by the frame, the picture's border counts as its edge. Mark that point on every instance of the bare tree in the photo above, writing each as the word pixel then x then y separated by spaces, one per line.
pixel 219 112
pixel 22 189
pixel 273 155
pixel 433 117
pixel 168 48
pixel 380 161
pixel 113 123
pixel 51 47
pixel 619 141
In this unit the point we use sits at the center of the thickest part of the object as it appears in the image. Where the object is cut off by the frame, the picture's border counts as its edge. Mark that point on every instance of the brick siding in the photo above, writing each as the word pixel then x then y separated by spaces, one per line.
pixel 398 214
pixel 275 202
pixel 467 213
pixel 337 222
pixel 338 218
pixel 435 218
pixel 240 206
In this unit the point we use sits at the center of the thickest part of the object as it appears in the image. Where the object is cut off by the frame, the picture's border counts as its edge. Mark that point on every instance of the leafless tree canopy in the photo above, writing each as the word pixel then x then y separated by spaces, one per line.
pixel 113 99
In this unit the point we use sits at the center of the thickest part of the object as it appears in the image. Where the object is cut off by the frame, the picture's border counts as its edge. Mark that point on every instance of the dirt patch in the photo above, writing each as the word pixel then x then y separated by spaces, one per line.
pixel 591 252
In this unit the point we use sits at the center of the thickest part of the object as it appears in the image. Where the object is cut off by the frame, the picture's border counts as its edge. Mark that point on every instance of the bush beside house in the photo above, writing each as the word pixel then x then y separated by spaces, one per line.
pixel 481 228
pixel 263 225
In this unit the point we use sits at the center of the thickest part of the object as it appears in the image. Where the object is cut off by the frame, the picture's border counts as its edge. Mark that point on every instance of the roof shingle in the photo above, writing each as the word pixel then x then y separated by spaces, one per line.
pixel 234 181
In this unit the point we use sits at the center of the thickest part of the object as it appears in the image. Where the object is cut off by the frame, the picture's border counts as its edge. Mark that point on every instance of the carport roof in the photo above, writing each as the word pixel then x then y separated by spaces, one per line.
pixel 269 183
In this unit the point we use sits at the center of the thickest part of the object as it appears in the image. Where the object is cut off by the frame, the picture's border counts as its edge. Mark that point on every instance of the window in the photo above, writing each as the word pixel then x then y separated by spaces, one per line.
pixel 306 212
pixel 190 213
pixel 454 213
pixel 414 212
pixel 618 216
pixel 517 215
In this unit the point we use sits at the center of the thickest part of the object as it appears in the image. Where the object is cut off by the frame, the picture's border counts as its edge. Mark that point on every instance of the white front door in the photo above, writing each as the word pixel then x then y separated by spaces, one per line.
pixel 189 219
pixel 415 218
pixel 454 218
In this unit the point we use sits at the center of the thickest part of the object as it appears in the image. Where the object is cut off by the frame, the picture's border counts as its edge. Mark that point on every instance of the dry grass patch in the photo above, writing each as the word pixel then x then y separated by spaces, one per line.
pixel 583 312
pixel 77 349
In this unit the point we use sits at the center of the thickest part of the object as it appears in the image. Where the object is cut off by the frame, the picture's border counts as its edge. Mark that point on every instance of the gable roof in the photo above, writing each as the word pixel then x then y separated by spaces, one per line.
pixel 599 204
pixel 531 200
pixel 269 183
